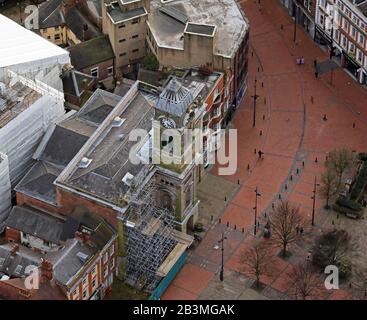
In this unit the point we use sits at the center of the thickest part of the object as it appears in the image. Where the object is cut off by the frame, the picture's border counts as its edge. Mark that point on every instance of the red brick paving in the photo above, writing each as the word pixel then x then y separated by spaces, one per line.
pixel 293 128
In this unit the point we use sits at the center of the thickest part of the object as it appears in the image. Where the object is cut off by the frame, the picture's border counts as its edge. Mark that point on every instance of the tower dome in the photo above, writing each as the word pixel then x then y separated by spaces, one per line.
pixel 175 98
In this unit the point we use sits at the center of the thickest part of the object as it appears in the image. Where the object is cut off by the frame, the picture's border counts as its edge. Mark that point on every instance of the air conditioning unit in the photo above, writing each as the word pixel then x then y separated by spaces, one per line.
pixel 127 179
pixel 85 162
pixel 117 122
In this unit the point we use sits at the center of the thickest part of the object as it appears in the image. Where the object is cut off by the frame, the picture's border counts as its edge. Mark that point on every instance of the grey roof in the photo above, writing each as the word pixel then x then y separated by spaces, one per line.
pixel 175 98
pixel 92 52
pixel 117 15
pixel 63 145
pixel 23 258
pixel 35 223
pixel 110 157
pixel 109 150
pixel 50 14
pixel 38 182
pixel 80 26
pixel 73 80
pixel 226 15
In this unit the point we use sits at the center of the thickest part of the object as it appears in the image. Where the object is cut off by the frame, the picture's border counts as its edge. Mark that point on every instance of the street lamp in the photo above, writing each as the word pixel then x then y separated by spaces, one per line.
pixel 255 96
pixel 19 4
pixel 222 268
pixel 257 194
pixel 314 201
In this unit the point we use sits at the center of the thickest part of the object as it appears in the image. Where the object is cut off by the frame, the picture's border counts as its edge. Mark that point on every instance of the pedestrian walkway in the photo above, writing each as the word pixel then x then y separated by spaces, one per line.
pixel 290 114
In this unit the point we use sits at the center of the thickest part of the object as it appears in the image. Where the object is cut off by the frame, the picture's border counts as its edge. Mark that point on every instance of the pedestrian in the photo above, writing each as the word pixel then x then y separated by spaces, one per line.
pixel 315 63
pixel 302 60
pixel 316 74
pixel 301 231
pixel 324 118
pixel 260 154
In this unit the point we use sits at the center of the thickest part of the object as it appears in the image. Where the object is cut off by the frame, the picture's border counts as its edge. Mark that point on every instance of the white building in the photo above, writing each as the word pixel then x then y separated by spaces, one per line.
pixel 31 98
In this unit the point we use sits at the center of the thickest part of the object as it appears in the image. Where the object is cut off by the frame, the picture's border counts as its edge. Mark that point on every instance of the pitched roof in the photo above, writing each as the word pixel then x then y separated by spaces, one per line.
pixel 73 80
pixel 91 52
pixel 80 26
pixel 35 223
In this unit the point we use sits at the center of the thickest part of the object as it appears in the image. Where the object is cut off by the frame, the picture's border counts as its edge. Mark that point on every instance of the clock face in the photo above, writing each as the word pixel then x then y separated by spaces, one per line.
pixel 168 123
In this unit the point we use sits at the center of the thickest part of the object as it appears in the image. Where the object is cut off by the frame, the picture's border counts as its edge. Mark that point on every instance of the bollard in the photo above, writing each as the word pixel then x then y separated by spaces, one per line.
pixel 255 151
pixel 297 171
pixel 220 220
pixel 261 132
pixel 263 116
pixel 238 181
pixel 243 230
pixel 291 178
pixel 227 223
pixel 211 218
pixel 248 167
pixel 316 160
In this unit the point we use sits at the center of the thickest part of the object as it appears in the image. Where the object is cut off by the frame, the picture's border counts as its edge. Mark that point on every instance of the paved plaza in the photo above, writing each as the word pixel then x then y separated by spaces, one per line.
pixel 290 113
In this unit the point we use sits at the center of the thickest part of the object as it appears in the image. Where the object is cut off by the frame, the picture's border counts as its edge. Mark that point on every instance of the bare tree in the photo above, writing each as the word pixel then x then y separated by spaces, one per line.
pixel 285 222
pixel 339 160
pixel 257 259
pixel 328 186
pixel 305 281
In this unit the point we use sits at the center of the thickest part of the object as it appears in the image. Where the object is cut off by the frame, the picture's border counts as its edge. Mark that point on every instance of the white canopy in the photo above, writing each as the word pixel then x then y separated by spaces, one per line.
pixel 19 45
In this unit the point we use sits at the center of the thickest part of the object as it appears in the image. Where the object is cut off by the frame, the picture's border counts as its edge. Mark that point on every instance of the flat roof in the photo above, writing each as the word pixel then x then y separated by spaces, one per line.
pixel 231 25
pixel 19 45
pixel 117 15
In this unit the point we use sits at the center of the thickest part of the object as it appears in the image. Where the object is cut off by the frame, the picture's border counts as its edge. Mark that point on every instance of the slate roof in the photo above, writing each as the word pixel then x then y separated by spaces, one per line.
pixel 72 81
pixel 23 258
pixel 76 22
pixel 90 53
pixel 50 14
pixel 117 15
pixel 110 155
pixel 35 223
pixel 38 182
pixel 63 145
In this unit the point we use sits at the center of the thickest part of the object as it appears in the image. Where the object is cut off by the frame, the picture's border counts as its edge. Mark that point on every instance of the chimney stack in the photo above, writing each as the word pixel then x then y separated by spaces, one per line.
pixel 46 270
pixel 14 250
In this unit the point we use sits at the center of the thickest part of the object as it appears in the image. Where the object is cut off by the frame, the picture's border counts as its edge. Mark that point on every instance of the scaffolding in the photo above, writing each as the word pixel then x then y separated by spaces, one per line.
pixel 149 237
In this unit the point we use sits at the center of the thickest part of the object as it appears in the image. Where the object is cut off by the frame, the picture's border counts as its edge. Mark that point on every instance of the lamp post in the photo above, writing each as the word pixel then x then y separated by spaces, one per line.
pixel 257 194
pixel 255 96
pixel 20 11
pixel 222 249
pixel 314 202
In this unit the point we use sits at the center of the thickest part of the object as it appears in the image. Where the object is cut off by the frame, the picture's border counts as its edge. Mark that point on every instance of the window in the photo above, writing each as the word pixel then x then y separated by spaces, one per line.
pixel 75 294
pixel 105 271
pixel 94 270
pixel 359 56
pixel 122 40
pixel 135 21
pixel 135 36
pixel 85 293
pixel 105 257
pixel 321 19
pixel 345 24
pixel 94 283
pixel 353 32
pixel 110 71
pixel 112 250
pixel 135 50
pixel 122 54
pixel 85 281
pixel 112 265
pixel 352 47
pixel 344 42
pixel 122 26
pixel 95 72
pixel 57 37
pixel 360 39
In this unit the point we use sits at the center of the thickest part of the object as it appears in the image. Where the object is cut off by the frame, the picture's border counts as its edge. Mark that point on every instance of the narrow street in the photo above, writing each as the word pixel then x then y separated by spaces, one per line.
pixel 291 132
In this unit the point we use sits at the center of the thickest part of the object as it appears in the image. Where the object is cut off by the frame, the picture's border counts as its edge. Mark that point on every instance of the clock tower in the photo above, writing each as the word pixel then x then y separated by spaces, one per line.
pixel 179 167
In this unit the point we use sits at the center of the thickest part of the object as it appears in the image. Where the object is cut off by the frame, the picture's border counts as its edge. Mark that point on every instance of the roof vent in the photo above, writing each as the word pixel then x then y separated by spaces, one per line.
pixel 85 162
pixel 127 179
pixel 82 256
pixel 117 122
pixel 130 224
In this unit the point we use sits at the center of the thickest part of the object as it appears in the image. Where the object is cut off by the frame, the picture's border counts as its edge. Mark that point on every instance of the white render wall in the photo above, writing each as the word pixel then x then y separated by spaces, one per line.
pixel 5 189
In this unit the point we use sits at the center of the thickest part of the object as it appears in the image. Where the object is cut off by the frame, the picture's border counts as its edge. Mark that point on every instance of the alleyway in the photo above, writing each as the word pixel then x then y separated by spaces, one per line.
pixel 290 115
